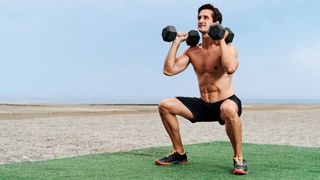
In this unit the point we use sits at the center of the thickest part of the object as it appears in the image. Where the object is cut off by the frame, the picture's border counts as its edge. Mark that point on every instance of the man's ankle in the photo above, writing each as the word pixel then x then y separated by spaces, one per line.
pixel 180 152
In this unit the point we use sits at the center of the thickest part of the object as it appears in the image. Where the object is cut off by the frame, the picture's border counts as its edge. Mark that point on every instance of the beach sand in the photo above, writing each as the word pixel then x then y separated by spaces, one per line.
pixel 40 132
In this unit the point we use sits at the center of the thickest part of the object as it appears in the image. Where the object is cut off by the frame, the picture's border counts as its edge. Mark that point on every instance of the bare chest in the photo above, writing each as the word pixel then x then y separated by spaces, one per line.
pixel 207 61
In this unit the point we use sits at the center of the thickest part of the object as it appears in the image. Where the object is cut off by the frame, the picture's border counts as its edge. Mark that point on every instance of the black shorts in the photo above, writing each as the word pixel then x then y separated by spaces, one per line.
pixel 204 112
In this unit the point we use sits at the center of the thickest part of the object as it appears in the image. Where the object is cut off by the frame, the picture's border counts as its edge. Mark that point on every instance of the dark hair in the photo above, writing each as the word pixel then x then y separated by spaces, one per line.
pixel 216 15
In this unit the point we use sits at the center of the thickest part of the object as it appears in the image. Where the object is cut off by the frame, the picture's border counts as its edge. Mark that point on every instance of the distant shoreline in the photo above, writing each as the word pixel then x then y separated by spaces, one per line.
pixel 155 101
pixel 132 104
pixel 138 104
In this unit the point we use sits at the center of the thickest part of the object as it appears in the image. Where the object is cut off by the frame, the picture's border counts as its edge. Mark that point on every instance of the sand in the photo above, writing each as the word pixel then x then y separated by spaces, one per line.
pixel 41 132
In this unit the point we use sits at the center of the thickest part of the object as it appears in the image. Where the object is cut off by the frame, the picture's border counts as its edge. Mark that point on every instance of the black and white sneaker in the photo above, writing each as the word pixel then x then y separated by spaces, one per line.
pixel 240 167
pixel 172 158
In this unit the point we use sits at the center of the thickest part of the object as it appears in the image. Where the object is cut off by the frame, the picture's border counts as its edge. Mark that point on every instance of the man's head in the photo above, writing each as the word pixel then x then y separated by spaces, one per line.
pixel 208 15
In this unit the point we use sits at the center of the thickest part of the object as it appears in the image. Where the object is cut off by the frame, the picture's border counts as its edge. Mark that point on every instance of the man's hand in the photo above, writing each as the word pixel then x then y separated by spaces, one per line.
pixel 224 37
pixel 181 36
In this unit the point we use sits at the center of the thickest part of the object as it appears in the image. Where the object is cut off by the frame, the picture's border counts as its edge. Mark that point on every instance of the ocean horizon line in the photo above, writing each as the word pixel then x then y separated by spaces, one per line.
pixel 142 101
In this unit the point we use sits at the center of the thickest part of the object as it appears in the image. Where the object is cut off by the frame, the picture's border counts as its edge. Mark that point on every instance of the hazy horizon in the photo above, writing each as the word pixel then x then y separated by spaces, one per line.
pixel 45 100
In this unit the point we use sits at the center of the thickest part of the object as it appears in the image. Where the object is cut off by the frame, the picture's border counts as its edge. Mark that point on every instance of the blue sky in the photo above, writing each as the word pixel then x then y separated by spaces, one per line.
pixel 100 50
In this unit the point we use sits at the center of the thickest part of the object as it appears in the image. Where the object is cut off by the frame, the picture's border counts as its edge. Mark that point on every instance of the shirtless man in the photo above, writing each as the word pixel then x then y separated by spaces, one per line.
pixel 214 63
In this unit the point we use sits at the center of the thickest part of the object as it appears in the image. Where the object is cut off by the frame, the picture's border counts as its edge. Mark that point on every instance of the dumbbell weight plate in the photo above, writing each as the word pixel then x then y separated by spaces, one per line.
pixel 216 32
pixel 193 38
pixel 169 33
pixel 230 36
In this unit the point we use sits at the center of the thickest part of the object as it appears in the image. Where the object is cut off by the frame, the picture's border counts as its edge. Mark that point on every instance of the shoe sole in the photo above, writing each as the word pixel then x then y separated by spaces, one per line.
pixel 157 162
pixel 239 172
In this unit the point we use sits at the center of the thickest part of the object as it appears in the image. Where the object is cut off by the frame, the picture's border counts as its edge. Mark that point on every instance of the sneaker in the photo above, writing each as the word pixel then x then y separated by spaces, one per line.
pixel 240 167
pixel 172 158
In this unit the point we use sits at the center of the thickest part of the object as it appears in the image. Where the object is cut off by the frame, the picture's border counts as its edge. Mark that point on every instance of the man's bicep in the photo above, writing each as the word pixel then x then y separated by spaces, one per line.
pixel 182 62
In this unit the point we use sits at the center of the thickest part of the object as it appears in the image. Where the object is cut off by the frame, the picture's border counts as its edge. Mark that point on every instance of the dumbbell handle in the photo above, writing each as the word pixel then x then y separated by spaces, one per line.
pixel 169 34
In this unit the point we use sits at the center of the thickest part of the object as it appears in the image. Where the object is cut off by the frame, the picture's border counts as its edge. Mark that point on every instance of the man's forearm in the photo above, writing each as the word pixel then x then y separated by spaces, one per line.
pixel 227 58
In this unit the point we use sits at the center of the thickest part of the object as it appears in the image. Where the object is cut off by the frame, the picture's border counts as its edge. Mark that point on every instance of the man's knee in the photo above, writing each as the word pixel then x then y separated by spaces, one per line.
pixel 166 105
pixel 229 111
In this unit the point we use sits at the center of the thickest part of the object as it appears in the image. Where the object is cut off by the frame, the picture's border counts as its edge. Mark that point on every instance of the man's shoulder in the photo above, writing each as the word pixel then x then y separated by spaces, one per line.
pixel 194 49
pixel 193 52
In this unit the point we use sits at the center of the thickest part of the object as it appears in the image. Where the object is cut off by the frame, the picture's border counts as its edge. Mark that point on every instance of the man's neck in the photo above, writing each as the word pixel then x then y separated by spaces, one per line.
pixel 207 42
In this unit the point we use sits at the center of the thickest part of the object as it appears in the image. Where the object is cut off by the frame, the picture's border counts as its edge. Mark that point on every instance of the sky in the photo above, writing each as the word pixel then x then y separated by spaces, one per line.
pixel 112 51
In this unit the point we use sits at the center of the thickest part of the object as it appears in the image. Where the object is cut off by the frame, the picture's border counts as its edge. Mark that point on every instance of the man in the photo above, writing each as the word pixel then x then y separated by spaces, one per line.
pixel 214 63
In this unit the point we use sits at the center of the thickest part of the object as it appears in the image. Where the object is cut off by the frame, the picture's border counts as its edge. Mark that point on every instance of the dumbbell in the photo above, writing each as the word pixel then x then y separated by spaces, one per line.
pixel 216 32
pixel 169 34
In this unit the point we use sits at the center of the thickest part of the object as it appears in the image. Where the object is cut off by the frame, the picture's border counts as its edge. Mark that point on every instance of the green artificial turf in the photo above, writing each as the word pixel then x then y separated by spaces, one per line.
pixel 206 161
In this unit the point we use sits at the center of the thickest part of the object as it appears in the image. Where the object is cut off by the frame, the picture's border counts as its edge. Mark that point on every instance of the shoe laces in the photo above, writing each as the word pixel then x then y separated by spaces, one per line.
pixel 174 152
pixel 238 160
pixel 171 153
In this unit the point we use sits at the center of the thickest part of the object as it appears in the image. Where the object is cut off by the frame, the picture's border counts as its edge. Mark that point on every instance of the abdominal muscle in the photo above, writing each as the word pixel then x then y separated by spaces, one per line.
pixel 213 89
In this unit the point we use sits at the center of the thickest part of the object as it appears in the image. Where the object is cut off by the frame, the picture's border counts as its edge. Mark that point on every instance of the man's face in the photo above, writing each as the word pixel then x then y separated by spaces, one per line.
pixel 205 20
